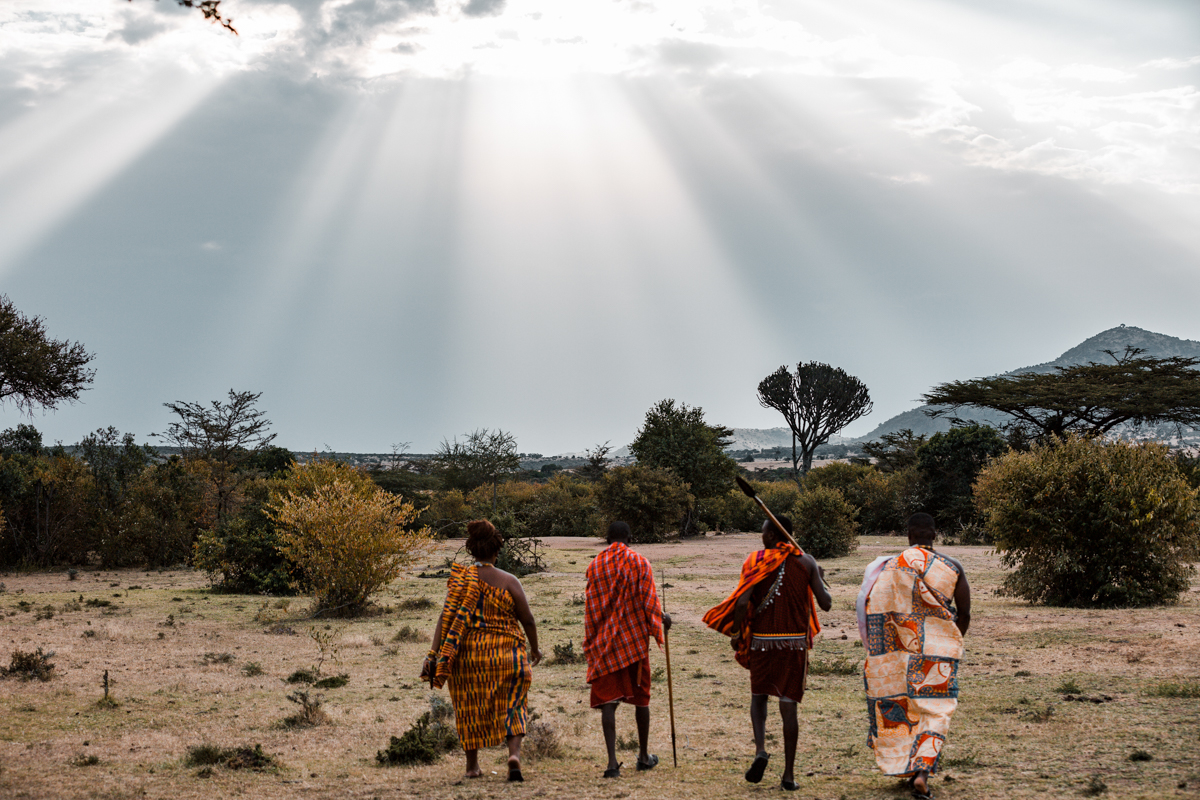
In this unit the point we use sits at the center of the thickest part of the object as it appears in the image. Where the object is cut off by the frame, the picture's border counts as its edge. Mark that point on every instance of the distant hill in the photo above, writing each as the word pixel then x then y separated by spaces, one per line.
pixel 1116 339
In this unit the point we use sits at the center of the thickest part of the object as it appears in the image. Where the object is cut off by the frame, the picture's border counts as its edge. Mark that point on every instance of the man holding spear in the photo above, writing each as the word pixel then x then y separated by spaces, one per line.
pixel 622 612
pixel 771 617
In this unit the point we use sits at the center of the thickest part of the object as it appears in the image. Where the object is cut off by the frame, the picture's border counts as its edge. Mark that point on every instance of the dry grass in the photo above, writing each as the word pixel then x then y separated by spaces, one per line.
pixel 169 700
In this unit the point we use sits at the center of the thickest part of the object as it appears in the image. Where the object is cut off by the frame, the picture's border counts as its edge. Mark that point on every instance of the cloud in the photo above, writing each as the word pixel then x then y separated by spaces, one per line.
pixel 138 28
pixel 484 8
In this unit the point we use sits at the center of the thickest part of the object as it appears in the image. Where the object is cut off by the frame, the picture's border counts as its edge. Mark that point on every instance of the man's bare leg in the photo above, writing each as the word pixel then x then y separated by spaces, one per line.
pixel 608 723
pixel 791 735
pixel 758 721
pixel 642 715
pixel 473 770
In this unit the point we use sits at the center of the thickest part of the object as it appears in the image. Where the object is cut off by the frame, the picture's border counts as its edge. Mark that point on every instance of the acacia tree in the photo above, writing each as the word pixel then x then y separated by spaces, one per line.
pixel 227 436
pixel 817 402
pixel 36 370
pixel 484 457
pixel 1089 399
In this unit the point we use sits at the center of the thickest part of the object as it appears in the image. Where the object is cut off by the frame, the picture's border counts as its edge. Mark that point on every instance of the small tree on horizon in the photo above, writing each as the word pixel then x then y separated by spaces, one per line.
pixel 226 435
pixel 817 402
pixel 484 457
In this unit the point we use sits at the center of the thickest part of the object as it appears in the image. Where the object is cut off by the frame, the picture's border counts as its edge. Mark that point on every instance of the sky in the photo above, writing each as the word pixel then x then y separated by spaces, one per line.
pixel 402 220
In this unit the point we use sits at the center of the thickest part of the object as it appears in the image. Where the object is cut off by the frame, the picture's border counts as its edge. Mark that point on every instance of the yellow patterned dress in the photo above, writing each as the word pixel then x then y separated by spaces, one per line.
pixel 913 650
pixel 490 677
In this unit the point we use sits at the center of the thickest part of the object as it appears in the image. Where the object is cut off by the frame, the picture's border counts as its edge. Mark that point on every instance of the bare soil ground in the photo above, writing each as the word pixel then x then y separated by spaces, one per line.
pixel 177 656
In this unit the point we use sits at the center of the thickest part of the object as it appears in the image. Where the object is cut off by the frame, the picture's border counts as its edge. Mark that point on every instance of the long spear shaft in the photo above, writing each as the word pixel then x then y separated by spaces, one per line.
pixel 670 689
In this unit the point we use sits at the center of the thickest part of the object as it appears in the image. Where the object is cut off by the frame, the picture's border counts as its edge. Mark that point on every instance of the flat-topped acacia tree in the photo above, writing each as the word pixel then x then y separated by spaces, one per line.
pixel 817 401
pixel 1089 399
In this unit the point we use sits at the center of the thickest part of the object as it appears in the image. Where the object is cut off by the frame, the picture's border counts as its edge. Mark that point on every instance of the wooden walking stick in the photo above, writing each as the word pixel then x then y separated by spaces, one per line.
pixel 670 689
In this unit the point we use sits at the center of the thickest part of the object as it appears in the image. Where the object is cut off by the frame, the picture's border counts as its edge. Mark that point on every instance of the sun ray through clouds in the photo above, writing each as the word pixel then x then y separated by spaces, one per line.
pixel 57 155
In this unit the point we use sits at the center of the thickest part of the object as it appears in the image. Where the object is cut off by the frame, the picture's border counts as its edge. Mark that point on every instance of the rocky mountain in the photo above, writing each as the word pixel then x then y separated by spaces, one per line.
pixel 1115 339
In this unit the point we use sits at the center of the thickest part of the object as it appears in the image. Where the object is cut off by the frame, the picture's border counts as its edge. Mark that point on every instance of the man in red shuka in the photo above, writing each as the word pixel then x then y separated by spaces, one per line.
pixel 622 613
pixel 772 621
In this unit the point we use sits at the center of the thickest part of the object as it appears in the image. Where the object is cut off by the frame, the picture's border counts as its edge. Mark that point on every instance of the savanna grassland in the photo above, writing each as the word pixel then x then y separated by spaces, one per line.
pixel 1054 702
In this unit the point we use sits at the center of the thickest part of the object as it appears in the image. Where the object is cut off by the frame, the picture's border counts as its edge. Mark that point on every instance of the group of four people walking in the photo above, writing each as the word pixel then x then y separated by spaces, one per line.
pixel 913 609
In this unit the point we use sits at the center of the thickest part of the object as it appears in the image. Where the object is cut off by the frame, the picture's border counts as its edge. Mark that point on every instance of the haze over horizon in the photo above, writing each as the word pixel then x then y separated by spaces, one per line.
pixel 401 220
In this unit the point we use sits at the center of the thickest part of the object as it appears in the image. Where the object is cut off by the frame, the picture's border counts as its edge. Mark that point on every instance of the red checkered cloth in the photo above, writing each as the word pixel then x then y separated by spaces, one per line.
pixel 622 611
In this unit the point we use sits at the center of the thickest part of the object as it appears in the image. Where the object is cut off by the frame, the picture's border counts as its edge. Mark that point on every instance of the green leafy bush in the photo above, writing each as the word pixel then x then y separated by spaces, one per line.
pixel 824 523
pixel 735 511
pixel 886 499
pixel 1091 523
pixel 242 553
pixel 949 463
pixel 653 501
pixel 431 736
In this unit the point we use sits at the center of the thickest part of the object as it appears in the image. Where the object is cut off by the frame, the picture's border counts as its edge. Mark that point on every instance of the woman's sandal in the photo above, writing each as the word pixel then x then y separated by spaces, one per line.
pixel 514 773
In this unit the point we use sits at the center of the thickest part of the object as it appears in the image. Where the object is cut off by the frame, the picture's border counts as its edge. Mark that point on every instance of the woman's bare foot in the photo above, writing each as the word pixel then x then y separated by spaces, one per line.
pixel 474 773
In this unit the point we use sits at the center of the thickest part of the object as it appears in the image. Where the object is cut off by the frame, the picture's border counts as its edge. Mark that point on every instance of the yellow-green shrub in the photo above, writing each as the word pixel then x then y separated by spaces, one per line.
pixel 346 541
pixel 1091 523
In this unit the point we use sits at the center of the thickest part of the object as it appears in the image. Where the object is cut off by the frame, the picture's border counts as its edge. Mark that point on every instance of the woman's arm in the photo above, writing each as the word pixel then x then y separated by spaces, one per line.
pixel 526 618
pixel 427 667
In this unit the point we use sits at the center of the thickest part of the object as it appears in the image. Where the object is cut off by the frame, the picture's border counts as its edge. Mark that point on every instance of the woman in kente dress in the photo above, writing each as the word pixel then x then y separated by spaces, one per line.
pixel 479 649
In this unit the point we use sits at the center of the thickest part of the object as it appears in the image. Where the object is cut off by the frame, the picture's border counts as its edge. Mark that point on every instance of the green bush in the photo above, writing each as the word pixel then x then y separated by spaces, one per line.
pixel 949 463
pixel 431 736
pixel 824 523
pixel 241 554
pixel 839 475
pixel 886 499
pixel 653 501
pixel 734 511
pixel 1091 523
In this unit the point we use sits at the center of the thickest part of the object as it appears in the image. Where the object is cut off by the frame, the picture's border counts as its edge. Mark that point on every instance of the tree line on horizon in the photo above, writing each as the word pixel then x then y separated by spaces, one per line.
pixel 226 500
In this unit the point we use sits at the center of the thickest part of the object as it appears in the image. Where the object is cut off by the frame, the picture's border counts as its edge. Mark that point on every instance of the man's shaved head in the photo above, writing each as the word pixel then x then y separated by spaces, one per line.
pixel 921 528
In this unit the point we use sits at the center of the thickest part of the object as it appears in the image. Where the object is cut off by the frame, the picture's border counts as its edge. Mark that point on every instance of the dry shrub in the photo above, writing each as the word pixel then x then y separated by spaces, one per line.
pixel 29 666
pixel 542 741
pixel 244 757
pixel 416 604
pixel 565 654
pixel 348 540
pixel 310 714
pixel 409 634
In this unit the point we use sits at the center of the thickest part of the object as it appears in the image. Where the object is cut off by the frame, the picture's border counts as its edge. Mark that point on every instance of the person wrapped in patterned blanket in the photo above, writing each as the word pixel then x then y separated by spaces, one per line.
pixel 913 610
pixel 622 613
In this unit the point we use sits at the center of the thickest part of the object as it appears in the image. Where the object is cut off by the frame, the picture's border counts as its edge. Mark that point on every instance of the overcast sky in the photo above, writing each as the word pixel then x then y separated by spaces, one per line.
pixel 401 220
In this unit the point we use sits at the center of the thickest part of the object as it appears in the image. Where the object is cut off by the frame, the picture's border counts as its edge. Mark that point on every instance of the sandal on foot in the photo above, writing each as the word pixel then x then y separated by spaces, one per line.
pixel 514 773
pixel 615 772
pixel 789 786
pixel 755 773
pixel 922 795
pixel 650 763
